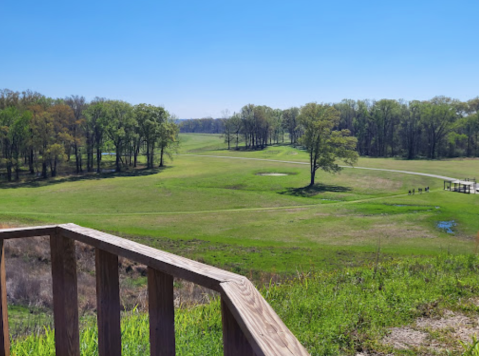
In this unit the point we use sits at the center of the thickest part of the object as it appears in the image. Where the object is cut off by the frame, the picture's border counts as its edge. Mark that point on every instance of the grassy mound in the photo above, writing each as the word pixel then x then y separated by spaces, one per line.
pixel 331 313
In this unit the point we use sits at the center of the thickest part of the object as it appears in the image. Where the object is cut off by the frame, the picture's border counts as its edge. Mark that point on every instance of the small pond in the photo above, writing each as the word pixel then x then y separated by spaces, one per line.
pixel 446 226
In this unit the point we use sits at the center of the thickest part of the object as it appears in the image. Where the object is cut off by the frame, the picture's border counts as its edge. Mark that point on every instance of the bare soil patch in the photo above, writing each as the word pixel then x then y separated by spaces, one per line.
pixel 405 338
pixel 273 174
pixel 452 328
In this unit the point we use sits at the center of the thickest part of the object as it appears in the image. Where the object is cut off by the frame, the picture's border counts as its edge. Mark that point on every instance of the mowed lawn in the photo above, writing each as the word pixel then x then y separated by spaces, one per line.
pixel 226 213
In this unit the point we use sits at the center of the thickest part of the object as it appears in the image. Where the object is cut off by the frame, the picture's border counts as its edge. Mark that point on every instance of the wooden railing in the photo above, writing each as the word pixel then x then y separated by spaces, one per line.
pixel 250 325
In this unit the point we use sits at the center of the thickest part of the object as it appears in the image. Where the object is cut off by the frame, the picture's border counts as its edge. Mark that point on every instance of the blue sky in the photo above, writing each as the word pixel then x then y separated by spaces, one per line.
pixel 198 58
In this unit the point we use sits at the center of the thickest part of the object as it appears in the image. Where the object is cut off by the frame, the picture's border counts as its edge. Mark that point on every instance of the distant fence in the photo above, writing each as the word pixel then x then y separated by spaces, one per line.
pixel 250 325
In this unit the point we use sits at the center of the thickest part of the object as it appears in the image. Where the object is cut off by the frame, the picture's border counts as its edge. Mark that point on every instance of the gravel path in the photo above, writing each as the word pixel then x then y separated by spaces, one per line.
pixel 307 163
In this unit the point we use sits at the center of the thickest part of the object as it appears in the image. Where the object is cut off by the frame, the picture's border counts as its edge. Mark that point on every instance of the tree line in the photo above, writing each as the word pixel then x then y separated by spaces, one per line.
pixel 38 133
pixel 438 128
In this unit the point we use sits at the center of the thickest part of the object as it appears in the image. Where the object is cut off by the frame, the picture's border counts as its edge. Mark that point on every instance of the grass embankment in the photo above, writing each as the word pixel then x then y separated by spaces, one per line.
pixel 331 313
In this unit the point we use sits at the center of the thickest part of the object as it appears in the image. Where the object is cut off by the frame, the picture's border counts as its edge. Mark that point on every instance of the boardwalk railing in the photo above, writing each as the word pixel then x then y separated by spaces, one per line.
pixel 250 325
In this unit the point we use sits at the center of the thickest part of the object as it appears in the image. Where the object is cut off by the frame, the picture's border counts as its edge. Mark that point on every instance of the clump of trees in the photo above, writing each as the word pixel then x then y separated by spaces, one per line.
pixel 38 133
pixel 438 128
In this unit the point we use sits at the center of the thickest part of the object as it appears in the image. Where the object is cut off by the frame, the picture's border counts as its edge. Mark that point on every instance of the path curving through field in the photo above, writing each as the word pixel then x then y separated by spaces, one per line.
pixel 307 163
pixel 213 211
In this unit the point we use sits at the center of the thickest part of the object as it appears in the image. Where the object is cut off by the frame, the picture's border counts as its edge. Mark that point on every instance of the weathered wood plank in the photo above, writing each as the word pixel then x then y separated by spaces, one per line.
pixel 108 304
pixel 235 342
pixel 65 297
pixel 162 313
pixel 264 330
pixel 20 232
pixel 4 334
pixel 168 263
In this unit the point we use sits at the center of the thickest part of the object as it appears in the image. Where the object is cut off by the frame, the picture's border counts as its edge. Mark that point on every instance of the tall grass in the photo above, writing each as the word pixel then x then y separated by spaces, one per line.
pixel 331 313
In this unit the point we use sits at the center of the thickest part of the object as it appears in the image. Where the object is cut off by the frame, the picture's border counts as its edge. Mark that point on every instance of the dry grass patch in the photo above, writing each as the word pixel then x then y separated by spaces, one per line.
pixel 433 335
pixel 406 338
pixel 377 183
pixel 344 236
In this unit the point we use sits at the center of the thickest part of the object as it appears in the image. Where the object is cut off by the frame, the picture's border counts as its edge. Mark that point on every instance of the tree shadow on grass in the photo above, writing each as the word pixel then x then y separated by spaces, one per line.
pixel 311 191
pixel 41 182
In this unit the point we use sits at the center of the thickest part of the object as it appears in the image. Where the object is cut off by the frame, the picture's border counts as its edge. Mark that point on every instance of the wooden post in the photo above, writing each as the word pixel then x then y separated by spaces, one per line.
pixel 65 296
pixel 162 313
pixel 4 335
pixel 108 303
pixel 234 340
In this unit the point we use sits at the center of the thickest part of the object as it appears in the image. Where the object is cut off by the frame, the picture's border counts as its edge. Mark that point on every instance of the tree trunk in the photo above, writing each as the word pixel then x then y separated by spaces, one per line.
pixel 313 175
pixel 98 160
pixel 17 169
pixel 44 170
pixel 30 163
pixel 161 156
pixel 152 155
pixel 9 171
pixel 135 156
pixel 117 160
pixel 76 159
pixel 54 168
pixel 148 155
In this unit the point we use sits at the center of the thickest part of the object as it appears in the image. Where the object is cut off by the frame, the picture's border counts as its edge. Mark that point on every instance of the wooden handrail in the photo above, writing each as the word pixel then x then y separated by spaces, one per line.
pixel 250 325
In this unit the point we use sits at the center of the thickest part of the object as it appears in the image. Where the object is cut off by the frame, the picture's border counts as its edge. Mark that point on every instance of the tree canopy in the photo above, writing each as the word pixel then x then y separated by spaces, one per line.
pixel 325 145
pixel 42 133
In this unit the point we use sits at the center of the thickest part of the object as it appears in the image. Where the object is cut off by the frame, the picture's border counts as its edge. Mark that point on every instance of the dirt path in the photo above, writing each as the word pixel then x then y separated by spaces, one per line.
pixel 215 211
pixel 307 163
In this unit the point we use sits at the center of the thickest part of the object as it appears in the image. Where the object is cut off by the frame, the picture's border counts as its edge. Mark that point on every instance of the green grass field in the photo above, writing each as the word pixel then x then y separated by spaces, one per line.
pixel 369 256
pixel 222 212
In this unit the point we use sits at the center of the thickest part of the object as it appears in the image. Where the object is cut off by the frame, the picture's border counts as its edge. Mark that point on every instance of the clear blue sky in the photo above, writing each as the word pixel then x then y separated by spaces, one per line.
pixel 198 58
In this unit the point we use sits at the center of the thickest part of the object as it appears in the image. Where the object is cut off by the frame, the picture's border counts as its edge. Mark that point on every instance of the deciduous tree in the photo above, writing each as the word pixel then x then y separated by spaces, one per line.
pixel 325 145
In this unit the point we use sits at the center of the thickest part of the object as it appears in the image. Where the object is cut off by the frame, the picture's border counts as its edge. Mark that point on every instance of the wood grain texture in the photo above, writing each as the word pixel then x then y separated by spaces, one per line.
pixel 162 313
pixel 108 304
pixel 65 297
pixel 180 267
pixel 4 334
pixel 264 330
pixel 20 232
pixel 235 342
pixel 243 306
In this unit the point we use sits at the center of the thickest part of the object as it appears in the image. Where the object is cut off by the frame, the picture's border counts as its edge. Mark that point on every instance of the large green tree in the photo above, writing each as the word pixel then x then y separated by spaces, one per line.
pixel 324 144
pixel 120 128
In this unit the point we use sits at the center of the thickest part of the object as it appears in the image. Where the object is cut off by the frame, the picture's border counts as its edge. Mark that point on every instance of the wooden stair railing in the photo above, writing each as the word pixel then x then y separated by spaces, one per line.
pixel 250 325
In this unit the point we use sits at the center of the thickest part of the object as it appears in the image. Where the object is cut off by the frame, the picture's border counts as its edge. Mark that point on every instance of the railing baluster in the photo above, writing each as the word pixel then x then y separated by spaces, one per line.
pixel 162 313
pixel 4 335
pixel 234 340
pixel 266 333
pixel 65 297
pixel 108 304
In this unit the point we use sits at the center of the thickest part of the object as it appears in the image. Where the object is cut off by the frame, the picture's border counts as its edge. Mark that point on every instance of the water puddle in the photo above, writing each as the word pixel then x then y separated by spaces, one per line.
pixel 108 170
pixel 446 226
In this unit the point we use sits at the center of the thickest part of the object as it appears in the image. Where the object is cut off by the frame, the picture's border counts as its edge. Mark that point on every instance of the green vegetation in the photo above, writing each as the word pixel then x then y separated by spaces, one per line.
pixel 40 135
pixel 337 292
pixel 331 313
pixel 440 127
pixel 222 212
pixel 323 142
